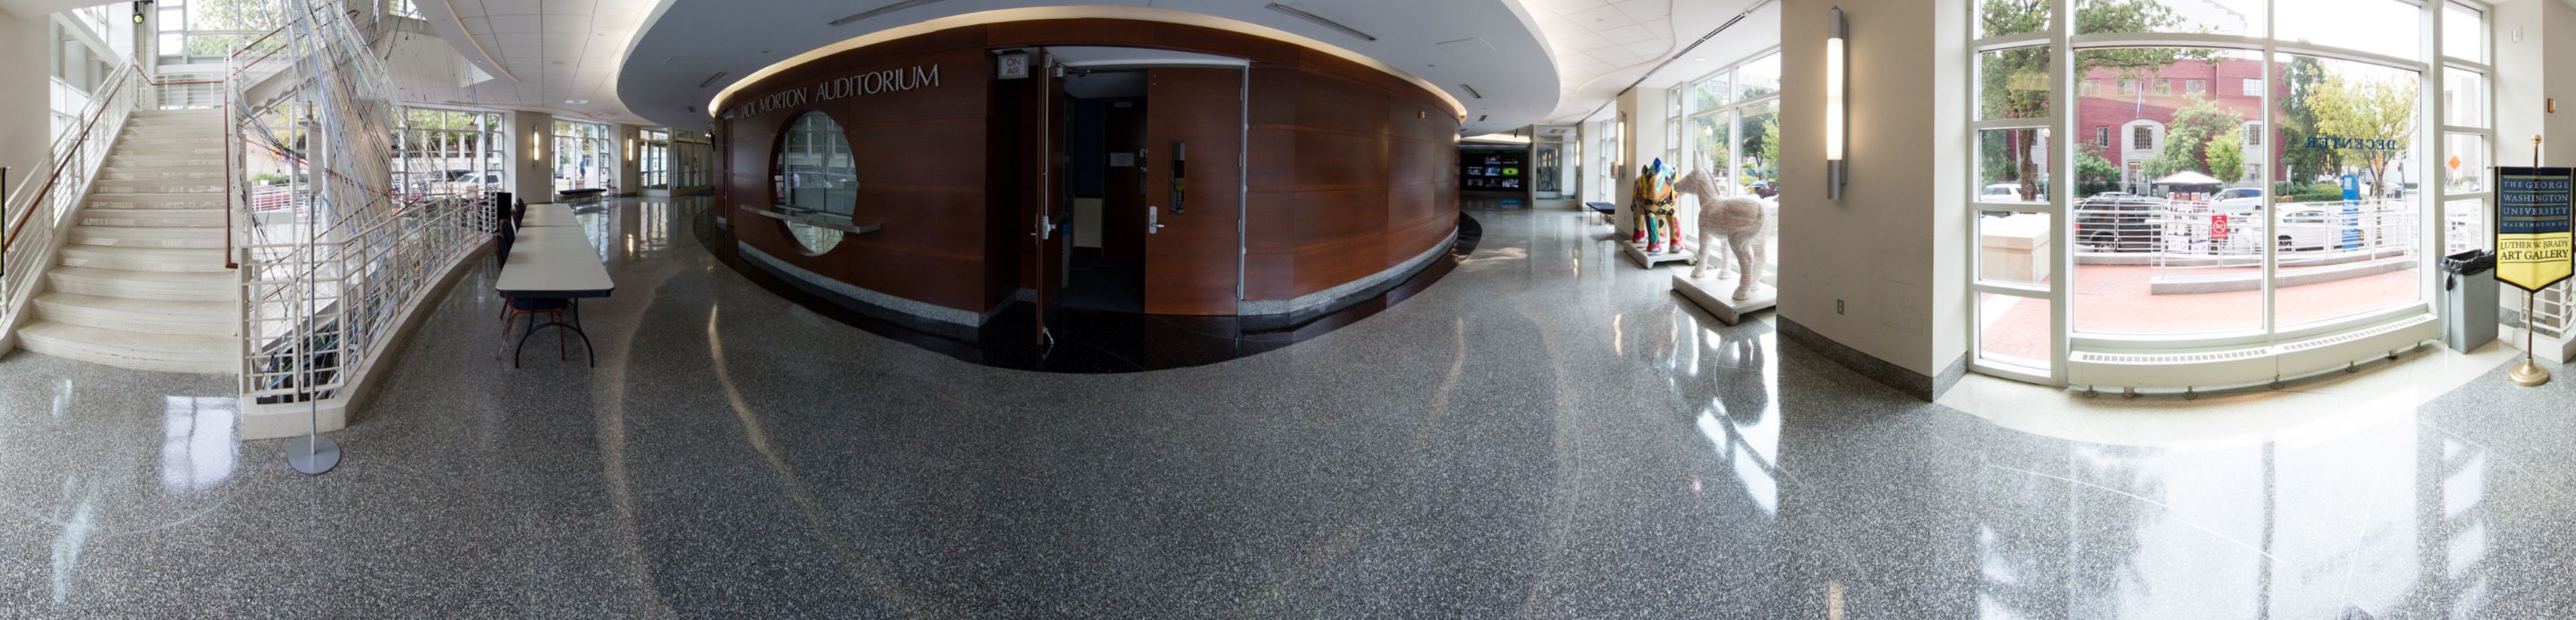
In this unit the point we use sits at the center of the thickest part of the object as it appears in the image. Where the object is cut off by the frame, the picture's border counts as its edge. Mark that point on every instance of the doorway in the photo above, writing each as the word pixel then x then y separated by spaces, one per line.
pixel 1105 183
pixel 1150 145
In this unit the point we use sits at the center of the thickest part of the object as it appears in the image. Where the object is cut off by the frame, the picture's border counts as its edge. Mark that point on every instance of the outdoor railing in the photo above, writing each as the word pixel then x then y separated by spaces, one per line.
pixel 38 212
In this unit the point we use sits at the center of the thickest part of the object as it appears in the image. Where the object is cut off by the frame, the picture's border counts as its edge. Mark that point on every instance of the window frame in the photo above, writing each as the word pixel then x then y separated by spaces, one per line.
pixel 2059 38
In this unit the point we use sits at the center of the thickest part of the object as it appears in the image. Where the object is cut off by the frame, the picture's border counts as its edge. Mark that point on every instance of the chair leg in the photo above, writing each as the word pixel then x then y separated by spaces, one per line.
pixel 506 320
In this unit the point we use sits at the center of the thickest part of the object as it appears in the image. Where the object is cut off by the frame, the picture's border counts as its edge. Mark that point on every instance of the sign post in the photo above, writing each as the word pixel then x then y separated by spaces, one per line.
pixel 2533 243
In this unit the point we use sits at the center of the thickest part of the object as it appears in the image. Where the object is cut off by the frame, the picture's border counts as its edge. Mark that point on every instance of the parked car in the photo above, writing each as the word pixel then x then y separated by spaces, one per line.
pixel 2312 227
pixel 2238 200
pixel 2119 222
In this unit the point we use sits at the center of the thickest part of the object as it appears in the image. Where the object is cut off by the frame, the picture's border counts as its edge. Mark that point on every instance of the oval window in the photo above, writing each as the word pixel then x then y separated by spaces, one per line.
pixel 816 180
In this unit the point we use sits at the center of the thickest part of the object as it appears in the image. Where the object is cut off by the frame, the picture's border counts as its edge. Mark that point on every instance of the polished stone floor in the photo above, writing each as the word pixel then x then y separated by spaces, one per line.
pixel 1544 432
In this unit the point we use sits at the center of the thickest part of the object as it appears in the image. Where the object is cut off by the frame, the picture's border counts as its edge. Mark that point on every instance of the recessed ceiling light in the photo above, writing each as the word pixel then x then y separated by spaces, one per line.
pixel 1698 59
pixel 577 101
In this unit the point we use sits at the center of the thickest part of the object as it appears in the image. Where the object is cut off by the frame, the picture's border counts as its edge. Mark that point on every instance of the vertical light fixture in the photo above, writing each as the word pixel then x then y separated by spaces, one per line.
pixel 1837 108
pixel 535 134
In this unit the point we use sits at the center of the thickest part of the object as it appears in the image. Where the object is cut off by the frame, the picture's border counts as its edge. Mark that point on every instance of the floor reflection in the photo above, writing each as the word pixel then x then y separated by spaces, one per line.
pixel 1087 340
pixel 1548 432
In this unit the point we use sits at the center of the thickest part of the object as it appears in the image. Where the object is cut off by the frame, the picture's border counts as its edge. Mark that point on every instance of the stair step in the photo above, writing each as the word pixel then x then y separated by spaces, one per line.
pixel 111 186
pixel 127 161
pixel 172 139
pixel 156 201
pixel 166 174
pixel 149 237
pixel 144 316
pixel 210 151
pixel 209 127
pixel 162 285
pixel 153 218
pixel 140 351
pixel 144 259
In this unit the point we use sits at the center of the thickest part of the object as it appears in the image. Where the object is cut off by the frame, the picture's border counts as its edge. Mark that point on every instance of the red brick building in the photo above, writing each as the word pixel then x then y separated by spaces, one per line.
pixel 2122 115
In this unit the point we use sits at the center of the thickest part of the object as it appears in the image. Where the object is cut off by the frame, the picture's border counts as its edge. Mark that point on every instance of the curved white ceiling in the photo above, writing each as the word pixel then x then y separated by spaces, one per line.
pixel 1493 46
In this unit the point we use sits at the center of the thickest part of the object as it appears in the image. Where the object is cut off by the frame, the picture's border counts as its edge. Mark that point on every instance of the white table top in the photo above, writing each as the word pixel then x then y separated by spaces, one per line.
pixel 549 215
pixel 553 262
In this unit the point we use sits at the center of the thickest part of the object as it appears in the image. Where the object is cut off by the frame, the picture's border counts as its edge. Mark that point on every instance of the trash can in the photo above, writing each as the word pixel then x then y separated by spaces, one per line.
pixel 2468 300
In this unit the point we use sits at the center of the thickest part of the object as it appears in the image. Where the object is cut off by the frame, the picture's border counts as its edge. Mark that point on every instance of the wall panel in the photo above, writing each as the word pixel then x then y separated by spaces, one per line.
pixel 1352 170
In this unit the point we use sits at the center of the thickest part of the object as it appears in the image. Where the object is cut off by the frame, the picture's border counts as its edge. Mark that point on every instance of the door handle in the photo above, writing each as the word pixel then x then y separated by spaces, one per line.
pixel 1046 229
pixel 1153 220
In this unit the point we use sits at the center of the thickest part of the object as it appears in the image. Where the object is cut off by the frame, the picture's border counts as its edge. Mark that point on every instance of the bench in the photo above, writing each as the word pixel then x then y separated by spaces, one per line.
pixel 1604 209
pixel 586 192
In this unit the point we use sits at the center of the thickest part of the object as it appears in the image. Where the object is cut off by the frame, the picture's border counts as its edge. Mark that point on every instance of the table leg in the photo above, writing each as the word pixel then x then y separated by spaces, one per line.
pixel 586 350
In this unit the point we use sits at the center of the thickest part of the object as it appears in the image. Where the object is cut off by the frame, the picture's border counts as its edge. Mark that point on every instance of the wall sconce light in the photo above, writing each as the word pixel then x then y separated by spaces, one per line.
pixel 535 148
pixel 138 10
pixel 1837 106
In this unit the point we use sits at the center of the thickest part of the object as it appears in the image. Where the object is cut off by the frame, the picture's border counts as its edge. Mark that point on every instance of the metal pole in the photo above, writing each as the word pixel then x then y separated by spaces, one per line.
pixel 2529 373
pixel 312 454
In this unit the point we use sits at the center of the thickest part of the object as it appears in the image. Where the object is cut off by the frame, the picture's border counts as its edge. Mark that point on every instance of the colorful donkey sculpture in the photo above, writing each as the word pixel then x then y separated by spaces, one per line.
pixel 1739 219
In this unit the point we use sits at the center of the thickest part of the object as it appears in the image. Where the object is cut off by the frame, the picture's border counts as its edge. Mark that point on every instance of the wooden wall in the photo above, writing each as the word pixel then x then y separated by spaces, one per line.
pixel 1353 170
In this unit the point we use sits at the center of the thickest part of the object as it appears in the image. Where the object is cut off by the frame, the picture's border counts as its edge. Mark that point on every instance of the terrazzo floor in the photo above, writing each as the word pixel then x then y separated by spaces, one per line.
pixel 1543 432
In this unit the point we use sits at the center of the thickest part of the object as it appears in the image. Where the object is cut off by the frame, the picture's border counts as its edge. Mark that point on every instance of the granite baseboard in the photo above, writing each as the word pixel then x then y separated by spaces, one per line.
pixel 933 318
pixel 1928 388
pixel 1327 300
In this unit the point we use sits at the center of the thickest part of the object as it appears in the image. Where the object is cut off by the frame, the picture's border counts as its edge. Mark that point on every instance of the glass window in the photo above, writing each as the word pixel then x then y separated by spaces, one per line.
pixel 2164 86
pixel 815 177
pixel 2012 165
pixel 2252 87
pixel 2195 86
pixel 2091 87
pixel 1708 94
pixel 2464 98
pixel 2101 137
pixel 2347 239
pixel 2463 32
pixel 2385 27
pixel 2253 133
pixel 2231 17
pixel 2011 18
pixel 2013 83
pixel 1759 77
pixel 2160 250
pixel 2015 331
pixel 2012 247
pixel 2464 163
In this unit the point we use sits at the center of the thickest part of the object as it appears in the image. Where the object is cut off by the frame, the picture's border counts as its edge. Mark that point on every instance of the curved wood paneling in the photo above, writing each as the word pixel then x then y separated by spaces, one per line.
pixel 1352 170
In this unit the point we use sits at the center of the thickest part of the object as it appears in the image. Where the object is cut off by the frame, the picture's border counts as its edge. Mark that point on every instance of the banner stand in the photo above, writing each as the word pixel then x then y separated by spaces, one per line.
pixel 2533 243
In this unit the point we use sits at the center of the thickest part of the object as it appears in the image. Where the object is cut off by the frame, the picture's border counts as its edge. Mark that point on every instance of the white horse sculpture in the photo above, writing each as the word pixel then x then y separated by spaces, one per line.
pixel 1739 219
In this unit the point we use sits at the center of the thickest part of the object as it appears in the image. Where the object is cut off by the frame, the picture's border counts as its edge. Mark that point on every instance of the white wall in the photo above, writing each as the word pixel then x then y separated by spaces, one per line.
pixel 25 85
pixel 533 175
pixel 1894 251
pixel 1645 110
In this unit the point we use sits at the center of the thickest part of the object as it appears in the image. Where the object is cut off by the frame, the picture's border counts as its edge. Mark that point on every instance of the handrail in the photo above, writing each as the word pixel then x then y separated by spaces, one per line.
pixel 102 99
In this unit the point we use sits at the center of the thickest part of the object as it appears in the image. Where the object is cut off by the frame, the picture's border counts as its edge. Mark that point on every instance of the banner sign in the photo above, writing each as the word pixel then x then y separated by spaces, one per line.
pixel 2532 240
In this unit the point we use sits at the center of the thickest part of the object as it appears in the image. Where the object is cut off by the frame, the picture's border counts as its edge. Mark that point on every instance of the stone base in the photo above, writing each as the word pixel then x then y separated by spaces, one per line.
pixel 1717 296
pixel 1637 252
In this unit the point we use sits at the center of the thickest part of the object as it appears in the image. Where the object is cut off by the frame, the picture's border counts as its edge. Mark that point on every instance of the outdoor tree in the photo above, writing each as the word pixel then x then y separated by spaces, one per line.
pixel 2300 80
pixel 2196 129
pixel 2015 82
pixel 2369 110
pixel 2226 154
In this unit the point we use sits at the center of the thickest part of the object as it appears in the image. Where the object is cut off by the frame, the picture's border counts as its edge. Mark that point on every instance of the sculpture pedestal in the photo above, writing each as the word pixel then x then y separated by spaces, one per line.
pixel 1717 295
pixel 1637 252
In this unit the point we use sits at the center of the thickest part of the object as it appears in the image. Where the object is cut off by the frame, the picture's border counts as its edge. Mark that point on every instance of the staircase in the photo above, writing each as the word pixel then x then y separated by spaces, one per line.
pixel 141 281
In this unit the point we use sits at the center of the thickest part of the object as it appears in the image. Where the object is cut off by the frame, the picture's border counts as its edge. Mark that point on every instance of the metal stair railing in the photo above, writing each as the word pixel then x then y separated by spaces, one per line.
pixel 332 258
pixel 35 217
